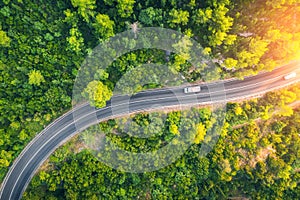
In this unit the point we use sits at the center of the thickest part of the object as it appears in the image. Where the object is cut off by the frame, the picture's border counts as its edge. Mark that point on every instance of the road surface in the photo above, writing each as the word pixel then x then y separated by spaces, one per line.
pixel 63 128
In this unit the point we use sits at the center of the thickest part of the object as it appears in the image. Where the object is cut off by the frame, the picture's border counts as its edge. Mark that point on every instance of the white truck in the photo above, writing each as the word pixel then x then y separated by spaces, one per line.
pixel 289 76
pixel 192 89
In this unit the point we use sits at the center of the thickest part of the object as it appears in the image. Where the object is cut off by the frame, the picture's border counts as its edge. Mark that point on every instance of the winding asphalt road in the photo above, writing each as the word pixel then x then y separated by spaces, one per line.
pixel 83 116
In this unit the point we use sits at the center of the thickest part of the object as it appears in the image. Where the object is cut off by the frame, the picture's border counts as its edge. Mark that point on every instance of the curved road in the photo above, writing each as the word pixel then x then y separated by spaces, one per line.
pixel 83 116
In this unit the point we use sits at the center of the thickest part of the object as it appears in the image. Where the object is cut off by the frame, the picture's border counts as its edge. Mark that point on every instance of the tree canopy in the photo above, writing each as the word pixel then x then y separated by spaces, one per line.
pixel 97 93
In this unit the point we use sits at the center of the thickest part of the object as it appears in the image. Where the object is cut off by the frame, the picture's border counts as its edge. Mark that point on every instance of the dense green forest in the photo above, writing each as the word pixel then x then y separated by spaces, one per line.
pixel 42 46
pixel 256 156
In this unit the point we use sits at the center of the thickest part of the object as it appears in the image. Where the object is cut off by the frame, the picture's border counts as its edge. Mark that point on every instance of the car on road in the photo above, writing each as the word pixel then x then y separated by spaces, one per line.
pixel 192 89
pixel 289 76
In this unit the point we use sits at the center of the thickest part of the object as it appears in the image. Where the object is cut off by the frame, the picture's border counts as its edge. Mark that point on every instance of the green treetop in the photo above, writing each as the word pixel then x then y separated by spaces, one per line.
pixel 97 93
pixel 35 77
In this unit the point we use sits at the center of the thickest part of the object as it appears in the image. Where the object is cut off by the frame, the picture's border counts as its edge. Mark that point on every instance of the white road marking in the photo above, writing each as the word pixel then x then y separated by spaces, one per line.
pixel 10 171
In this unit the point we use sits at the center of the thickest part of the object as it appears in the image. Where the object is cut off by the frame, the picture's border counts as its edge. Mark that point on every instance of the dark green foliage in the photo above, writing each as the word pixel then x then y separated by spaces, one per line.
pixel 42 46
pixel 247 161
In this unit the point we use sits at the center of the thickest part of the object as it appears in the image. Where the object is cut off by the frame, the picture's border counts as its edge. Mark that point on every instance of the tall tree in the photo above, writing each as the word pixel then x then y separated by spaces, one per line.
pixel 4 39
pixel 75 40
pixel 97 93
pixel 104 26
pixel 125 7
pixel 35 77
pixel 85 8
pixel 178 17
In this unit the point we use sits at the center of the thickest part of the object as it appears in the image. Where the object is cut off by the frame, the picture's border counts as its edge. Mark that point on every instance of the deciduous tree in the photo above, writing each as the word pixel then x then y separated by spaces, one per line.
pixel 104 26
pixel 97 93
pixel 35 77
pixel 178 17
pixel 4 39
pixel 85 8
